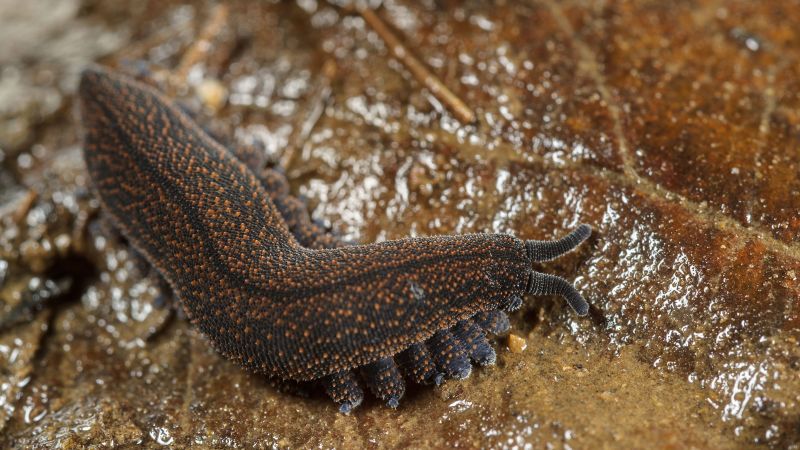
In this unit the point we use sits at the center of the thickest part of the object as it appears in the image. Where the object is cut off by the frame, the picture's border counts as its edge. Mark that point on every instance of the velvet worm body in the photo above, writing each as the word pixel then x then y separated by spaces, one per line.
pixel 275 294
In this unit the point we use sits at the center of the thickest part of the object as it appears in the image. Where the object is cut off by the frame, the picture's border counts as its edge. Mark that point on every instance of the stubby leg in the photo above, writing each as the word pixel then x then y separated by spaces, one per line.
pixel 494 321
pixel 475 342
pixel 294 212
pixel 417 364
pixel 449 355
pixel 384 380
pixel 344 389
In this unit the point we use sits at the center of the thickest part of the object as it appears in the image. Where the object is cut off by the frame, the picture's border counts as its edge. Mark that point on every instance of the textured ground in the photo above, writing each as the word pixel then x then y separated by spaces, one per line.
pixel 674 130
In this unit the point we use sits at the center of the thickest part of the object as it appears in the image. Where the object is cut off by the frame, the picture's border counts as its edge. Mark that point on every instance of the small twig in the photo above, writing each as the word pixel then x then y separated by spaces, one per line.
pixel 25 205
pixel 137 50
pixel 417 68
pixel 200 48
pixel 302 133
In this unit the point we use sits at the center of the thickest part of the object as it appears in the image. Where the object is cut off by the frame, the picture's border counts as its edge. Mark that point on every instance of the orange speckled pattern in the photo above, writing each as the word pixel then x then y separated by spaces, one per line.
pixel 292 310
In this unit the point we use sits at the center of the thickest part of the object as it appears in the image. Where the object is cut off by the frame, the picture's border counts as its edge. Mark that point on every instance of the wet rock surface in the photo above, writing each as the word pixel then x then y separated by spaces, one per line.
pixel 673 130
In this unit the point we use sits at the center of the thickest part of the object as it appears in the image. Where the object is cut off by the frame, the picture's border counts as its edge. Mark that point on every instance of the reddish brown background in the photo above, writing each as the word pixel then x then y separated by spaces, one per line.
pixel 672 127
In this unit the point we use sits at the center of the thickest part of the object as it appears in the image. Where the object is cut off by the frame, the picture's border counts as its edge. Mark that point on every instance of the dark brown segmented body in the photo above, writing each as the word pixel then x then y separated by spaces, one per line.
pixel 292 311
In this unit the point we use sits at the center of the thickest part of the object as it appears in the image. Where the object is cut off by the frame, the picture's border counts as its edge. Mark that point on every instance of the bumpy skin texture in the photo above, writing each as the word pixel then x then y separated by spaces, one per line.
pixel 226 241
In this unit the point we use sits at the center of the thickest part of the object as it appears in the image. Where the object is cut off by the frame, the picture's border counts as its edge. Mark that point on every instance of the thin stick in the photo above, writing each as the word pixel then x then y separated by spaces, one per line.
pixel 417 68
pixel 197 51
pixel 25 206
pixel 301 134
pixel 137 50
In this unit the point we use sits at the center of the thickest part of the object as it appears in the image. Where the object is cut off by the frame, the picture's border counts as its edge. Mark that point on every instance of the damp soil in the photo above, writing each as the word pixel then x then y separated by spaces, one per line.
pixel 673 130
